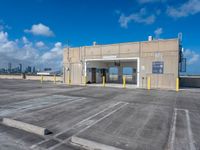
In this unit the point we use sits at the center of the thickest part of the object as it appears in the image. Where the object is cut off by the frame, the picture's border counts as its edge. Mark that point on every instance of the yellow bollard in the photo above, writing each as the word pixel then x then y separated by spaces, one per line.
pixel 148 83
pixel 54 79
pixel 177 84
pixel 41 79
pixel 124 82
pixel 84 80
pixel 103 81
pixel 69 81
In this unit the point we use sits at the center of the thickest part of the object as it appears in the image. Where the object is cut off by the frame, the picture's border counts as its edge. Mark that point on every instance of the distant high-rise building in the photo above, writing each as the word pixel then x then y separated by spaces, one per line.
pixel 9 67
pixel 2 70
pixel 47 69
pixel 28 69
pixel 34 70
pixel 20 68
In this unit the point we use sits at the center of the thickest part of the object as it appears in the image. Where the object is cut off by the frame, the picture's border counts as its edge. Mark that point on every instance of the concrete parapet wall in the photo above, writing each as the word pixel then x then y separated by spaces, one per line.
pixel 10 77
pixel 190 81
pixel 32 77
pixel 45 78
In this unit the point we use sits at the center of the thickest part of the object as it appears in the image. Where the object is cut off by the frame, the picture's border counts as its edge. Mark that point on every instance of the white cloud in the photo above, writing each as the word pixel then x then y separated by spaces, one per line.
pixel 8 47
pixel 10 50
pixel 141 17
pixel 158 32
pixel 3 37
pixel 40 44
pixel 54 53
pixel 23 51
pixel 25 40
pixel 190 7
pixel 54 57
pixel 192 56
pixel 40 29
pixel 3 25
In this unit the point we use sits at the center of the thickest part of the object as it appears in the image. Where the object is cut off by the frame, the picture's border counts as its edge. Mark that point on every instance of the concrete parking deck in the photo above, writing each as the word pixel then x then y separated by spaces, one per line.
pixel 97 117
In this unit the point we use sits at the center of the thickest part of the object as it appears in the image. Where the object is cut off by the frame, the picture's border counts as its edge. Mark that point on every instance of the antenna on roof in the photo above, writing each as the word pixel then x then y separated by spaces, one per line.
pixel 94 43
pixel 180 37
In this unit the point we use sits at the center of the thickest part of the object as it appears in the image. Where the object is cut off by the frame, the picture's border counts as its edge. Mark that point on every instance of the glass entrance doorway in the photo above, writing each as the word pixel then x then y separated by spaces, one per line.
pixel 113 71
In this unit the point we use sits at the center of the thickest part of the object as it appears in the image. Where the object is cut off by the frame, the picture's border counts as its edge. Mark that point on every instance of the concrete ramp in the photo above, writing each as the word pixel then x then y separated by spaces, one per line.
pixel 88 144
pixel 25 126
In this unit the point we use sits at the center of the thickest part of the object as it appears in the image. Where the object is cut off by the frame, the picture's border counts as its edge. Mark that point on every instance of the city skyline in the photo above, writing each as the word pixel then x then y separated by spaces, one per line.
pixel 19 69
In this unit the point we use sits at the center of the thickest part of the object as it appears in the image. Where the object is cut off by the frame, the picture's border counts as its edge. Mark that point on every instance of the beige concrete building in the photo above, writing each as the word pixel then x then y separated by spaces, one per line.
pixel 136 61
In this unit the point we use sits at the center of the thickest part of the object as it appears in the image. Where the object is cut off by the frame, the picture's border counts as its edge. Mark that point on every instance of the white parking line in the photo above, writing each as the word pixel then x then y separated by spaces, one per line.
pixel 64 102
pixel 35 145
pixel 79 123
pixel 92 124
pixel 102 118
pixel 189 130
pixel 192 146
pixel 21 109
pixel 173 130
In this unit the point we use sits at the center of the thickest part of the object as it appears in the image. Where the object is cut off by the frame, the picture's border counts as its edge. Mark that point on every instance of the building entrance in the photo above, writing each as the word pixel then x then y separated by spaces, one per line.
pixel 113 71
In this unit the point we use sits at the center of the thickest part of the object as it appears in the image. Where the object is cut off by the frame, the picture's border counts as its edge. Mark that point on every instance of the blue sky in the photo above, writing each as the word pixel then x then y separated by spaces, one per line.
pixel 35 31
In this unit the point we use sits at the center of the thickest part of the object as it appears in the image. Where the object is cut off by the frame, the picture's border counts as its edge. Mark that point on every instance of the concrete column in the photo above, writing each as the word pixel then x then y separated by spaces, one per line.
pixel 120 74
pixel 134 75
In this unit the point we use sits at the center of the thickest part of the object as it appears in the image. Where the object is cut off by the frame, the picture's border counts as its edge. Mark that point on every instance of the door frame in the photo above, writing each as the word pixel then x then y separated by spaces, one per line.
pixel 112 59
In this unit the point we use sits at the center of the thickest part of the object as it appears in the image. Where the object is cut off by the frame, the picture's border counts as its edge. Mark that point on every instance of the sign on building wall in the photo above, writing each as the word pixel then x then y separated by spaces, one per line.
pixel 157 67
pixel 109 57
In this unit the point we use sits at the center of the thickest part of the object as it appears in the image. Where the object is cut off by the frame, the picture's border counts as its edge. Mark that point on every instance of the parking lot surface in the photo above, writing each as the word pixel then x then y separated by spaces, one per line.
pixel 98 117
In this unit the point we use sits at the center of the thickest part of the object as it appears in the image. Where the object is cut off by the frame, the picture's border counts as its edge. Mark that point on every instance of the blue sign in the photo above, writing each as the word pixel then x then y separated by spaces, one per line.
pixel 158 67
